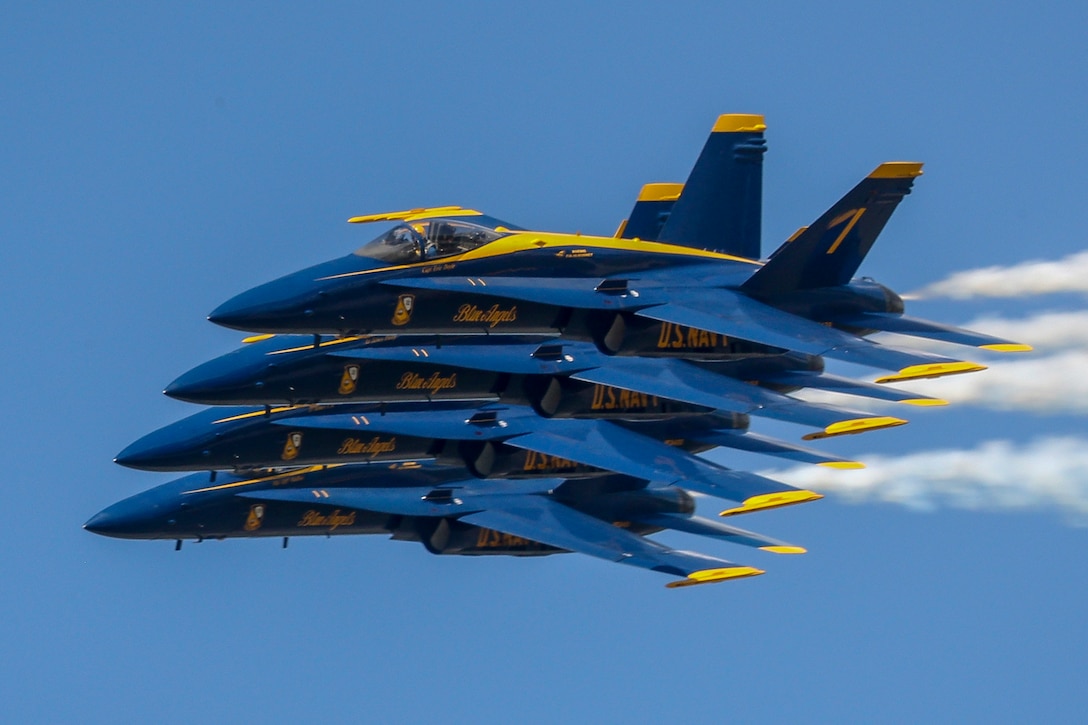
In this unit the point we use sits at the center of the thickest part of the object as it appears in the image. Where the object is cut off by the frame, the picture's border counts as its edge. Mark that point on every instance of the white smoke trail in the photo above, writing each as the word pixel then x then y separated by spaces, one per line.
pixel 1019 280
pixel 1050 380
pixel 1045 473
pixel 1053 384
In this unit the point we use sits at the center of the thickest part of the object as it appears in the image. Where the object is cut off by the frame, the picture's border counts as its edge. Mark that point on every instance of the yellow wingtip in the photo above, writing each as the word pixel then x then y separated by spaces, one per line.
pixel 1008 347
pixel 709 576
pixel 897 170
pixel 773 500
pixel 660 192
pixel 931 370
pixel 924 402
pixel 842 465
pixel 733 122
pixel 256 338
pixel 785 549
pixel 857 425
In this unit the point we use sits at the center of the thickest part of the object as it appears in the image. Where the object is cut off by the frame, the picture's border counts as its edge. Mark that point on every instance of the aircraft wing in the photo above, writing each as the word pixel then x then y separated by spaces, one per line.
pixel 586 293
pixel 540 519
pixel 413 500
pixel 767 446
pixel 536 357
pixel 616 449
pixel 679 380
pixel 732 313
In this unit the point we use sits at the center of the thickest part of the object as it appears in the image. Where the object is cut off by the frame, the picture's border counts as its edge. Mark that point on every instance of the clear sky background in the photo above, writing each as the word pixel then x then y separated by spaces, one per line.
pixel 157 159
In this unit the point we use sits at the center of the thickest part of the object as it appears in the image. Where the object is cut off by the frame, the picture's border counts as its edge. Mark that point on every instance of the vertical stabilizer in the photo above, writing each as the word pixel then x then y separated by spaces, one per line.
pixel 654 204
pixel 721 206
pixel 828 252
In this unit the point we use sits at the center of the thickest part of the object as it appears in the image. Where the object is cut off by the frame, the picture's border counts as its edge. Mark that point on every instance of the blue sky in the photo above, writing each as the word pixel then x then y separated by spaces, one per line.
pixel 158 159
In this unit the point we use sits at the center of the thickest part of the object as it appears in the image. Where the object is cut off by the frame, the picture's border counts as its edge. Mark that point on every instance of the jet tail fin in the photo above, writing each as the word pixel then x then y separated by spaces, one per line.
pixel 651 210
pixel 720 208
pixel 829 251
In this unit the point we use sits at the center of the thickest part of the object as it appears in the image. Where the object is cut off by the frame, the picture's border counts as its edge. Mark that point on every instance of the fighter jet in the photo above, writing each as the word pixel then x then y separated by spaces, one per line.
pixel 450 270
pixel 557 378
pixel 447 511
pixel 498 441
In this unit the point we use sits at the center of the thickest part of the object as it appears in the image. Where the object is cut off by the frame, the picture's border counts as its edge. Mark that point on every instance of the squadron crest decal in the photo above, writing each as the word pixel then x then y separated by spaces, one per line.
pixel 349 379
pixel 403 314
pixel 255 517
pixel 292 446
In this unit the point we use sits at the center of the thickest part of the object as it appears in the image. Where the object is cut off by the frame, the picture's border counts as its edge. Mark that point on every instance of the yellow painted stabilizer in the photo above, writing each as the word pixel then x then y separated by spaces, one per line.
pixel 842 465
pixel 932 370
pixel 1008 347
pixel 413 214
pixel 772 500
pixel 924 402
pixel 708 576
pixel 897 170
pixel 857 425
pixel 785 549
pixel 660 192
pixel 733 122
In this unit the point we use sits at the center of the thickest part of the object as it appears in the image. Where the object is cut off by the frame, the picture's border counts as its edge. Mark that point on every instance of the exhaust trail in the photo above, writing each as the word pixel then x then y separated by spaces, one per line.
pixel 1049 472
pixel 1019 280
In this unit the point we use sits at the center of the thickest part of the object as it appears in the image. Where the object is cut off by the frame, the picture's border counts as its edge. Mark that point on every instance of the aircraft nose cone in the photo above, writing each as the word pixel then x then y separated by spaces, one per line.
pixel 121 520
pixel 104 524
pixel 134 456
pixel 235 313
pixel 188 389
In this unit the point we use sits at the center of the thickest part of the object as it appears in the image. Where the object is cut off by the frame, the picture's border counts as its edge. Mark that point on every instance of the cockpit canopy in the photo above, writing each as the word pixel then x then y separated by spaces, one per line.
pixel 426 240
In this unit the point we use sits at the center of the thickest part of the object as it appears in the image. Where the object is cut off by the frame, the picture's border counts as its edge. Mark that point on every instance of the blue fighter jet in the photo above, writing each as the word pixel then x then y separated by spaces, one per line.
pixel 446 511
pixel 450 270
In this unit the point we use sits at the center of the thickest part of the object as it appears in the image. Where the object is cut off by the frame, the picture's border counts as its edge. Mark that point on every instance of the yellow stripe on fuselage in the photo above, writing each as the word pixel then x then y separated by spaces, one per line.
pixel 531 241
pixel 264 479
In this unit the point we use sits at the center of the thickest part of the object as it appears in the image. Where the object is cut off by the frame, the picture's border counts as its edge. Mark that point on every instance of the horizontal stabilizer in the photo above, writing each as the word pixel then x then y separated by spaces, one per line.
pixel 829 252
pixel 732 314
pixel 914 327
pixel 413 215
pixel 679 380
pixel 717 530
pixel 848 386
pixel 548 522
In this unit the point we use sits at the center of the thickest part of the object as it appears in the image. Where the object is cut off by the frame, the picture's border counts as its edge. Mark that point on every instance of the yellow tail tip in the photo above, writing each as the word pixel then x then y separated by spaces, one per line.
pixel 709 576
pixel 732 122
pixel 857 425
pixel 842 465
pixel 897 170
pixel 660 192
pixel 1008 347
pixel 773 500
pixel 932 370
pixel 924 402
pixel 785 549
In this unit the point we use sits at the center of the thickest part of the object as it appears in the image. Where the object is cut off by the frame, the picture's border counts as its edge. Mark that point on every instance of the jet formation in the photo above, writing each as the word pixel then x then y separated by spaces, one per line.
pixel 482 388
